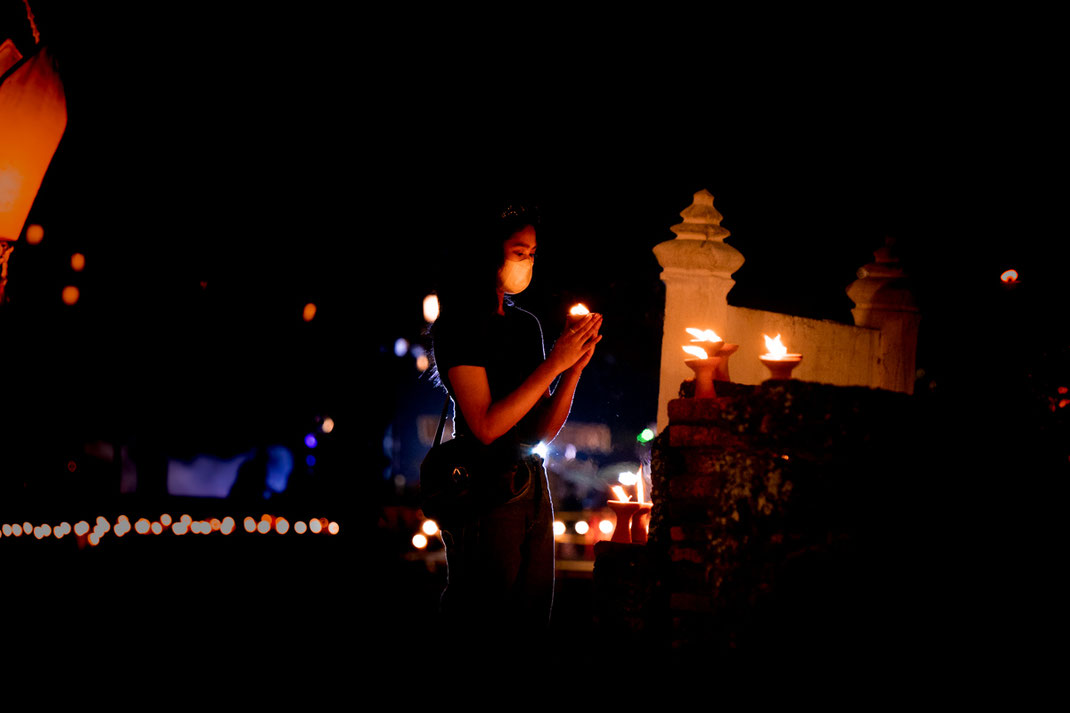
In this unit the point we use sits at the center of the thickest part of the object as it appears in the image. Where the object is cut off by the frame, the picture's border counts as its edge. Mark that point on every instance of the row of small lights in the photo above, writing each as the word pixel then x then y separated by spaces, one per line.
pixel 581 527
pixel 185 524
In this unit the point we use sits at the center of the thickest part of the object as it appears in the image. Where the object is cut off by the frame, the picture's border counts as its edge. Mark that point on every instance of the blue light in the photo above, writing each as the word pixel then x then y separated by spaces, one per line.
pixel 310 440
pixel 310 460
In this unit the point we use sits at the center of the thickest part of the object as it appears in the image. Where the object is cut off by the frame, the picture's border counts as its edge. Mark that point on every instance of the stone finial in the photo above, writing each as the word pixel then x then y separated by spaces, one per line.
pixel 701 220
pixel 882 284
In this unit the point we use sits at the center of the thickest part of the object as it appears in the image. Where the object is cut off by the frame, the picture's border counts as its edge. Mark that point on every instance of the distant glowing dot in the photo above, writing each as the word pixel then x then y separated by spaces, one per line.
pixel 310 460
pixel 315 526
pixel 16 529
pixel 645 435
pixel 70 295
pixel 300 527
pixel 423 363
pixel 333 528
pixel 78 262
pixel 249 524
pixel 216 524
pixel 606 526
pixel 310 440
pixel 328 425
pixel 186 519
pixel 559 528
pixel 430 308
pixel 39 532
pixel 179 528
pixel 309 312
pixel 165 520
pixel 401 347
pixel 6 529
pixel 419 541
pixel 81 527
pixel 1062 389
pixel 627 478
pixel 46 530
pixel 27 528
pixel 582 527
pixel 227 526
pixel 1063 403
pixel 94 539
pixel 282 526
pixel 156 528
pixel 570 452
pixel 34 234
pixel 542 450
pixel 1009 276
pixel 265 518
pixel 72 466
pixel 263 527
pixel 141 527
pixel 430 527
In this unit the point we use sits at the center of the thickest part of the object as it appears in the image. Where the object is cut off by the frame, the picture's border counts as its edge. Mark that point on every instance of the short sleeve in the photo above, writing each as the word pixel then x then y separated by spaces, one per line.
pixel 459 342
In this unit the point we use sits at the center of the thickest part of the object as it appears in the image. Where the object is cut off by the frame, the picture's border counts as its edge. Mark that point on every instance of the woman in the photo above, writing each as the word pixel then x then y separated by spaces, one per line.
pixel 489 355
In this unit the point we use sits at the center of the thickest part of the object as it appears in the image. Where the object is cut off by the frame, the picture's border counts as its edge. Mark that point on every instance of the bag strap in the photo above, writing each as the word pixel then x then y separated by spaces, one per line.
pixel 442 421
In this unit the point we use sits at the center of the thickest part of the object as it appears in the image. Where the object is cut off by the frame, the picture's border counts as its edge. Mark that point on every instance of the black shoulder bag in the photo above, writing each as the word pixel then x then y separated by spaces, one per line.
pixel 448 475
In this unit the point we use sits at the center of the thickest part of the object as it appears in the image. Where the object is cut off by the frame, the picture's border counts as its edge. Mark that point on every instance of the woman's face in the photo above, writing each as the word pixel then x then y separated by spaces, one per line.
pixel 519 259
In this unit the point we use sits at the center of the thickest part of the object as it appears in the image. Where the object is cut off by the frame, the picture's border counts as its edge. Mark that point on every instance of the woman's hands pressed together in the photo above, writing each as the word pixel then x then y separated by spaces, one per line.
pixel 575 346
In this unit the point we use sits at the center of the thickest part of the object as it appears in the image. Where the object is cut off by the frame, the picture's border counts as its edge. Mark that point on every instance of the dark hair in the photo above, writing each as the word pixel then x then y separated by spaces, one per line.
pixel 468 283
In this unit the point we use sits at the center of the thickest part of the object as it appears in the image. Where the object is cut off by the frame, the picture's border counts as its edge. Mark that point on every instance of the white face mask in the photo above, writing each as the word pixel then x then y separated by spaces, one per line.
pixel 515 275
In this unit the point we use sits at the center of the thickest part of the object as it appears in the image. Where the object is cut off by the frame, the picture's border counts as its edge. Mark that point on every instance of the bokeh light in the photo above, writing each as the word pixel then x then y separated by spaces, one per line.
pixel 156 528
pixel 81 528
pixel 1009 276
pixel 328 425
pixel 300 527
pixel 430 527
pixel 606 526
pixel 559 528
pixel 141 527
pixel 70 295
pixel 282 526
pixel 249 524
pixel 165 520
pixel 263 527
pixel 419 541
pixel 333 528
pixel 78 262
pixel 315 526
pixel 430 308
pixel 35 234
pixel 581 527
pixel 227 526
pixel 310 440
pixel 309 312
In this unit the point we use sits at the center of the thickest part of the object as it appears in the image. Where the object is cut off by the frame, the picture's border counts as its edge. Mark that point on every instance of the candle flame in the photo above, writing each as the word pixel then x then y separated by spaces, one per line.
pixel 697 352
pixel 703 335
pixel 621 495
pixel 774 347
pixel 578 310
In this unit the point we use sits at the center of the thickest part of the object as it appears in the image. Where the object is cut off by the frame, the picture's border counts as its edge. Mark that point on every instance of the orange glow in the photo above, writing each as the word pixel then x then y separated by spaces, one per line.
pixel 300 527
pixel 606 527
pixel 215 523
pixel 81 528
pixel 696 352
pixel 16 530
pixel 263 527
pixel 559 528
pixel 265 518
pixel 419 541
pixel 94 539
pixel 775 349
pixel 179 528
pixel 165 520
pixel 249 524
pixel 309 312
pixel 422 363
pixel 328 425
pixel 1009 276
pixel 78 262
pixel 582 527
pixel 70 295
pixel 186 519
pixel 430 527
pixel 333 528
pixel 315 526
pixel 34 108
pixel 141 527
pixel 282 526
pixel 578 310
pixel 156 528
pixel 35 234
pixel 227 526
pixel 621 495
pixel 703 335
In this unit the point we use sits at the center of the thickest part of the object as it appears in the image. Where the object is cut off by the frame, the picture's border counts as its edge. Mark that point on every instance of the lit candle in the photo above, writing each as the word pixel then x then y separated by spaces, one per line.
pixel 623 509
pixel 641 519
pixel 777 359
pixel 706 360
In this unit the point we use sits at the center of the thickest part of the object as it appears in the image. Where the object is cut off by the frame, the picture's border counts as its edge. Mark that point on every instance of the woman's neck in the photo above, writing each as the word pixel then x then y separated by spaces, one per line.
pixel 501 302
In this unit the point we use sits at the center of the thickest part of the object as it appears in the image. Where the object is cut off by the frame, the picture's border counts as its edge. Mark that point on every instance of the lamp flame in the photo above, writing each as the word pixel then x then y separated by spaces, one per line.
pixel 621 495
pixel 774 347
pixel 703 335
pixel 696 352
pixel 578 310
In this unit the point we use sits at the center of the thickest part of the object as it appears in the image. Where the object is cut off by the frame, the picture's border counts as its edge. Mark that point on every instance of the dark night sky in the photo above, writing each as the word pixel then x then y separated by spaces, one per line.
pixel 287 156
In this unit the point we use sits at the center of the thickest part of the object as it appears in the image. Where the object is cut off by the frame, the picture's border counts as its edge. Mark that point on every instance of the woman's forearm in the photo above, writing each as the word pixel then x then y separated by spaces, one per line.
pixel 491 420
pixel 555 413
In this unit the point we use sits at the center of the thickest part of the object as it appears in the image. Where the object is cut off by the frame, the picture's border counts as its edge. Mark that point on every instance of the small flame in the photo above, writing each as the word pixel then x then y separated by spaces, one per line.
pixel 703 335
pixel 774 347
pixel 696 352
pixel 578 310
pixel 621 495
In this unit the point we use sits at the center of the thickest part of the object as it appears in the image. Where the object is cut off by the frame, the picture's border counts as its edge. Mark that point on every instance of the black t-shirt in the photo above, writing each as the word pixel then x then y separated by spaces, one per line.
pixel 509 347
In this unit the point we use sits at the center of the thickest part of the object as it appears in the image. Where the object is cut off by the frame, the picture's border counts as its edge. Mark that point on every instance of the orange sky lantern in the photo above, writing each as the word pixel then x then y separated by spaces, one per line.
pixel 33 116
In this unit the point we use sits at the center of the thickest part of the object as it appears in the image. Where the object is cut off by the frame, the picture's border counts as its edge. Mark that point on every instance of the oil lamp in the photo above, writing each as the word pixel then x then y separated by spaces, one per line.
pixel 710 360
pixel 624 509
pixel 777 359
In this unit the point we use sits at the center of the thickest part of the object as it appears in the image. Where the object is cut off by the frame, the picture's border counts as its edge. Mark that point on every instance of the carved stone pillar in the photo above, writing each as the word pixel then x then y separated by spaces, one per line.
pixel 883 300
pixel 697 269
